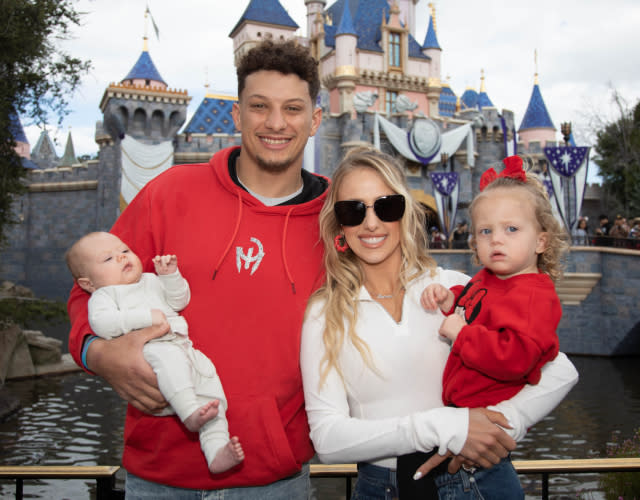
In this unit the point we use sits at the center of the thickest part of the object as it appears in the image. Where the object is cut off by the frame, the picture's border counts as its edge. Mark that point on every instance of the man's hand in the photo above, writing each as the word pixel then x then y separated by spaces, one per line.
pixel 487 443
pixel 165 264
pixel 121 363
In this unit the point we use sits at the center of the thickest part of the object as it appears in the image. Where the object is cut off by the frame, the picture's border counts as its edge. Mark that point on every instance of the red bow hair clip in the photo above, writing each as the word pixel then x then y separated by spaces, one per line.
pixel 513 170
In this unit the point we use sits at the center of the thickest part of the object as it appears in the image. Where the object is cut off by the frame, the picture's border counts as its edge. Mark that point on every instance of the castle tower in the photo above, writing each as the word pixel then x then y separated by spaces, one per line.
pixel 483 98
pixel 69 158
pixel 408 14
pixel 431 48
pixel 536 124
pixel 262 20
pixel 345 74
pixel 22 143
pixel 314 9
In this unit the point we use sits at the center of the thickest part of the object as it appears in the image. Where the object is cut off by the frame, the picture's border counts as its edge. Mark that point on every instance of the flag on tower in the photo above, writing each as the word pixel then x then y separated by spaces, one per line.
pixel 153 23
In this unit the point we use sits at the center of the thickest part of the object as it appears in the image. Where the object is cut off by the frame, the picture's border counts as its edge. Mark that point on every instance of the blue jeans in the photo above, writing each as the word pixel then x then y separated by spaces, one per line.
pixel 499 482
pixel 375 483
pixel 296 487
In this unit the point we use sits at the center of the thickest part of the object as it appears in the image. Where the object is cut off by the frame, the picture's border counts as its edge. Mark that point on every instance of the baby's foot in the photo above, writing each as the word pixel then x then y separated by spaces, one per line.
pixel 228 456
pixel 202 415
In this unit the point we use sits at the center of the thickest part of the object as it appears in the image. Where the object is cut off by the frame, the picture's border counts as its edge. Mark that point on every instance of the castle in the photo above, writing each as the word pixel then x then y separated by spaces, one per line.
pixel 379 85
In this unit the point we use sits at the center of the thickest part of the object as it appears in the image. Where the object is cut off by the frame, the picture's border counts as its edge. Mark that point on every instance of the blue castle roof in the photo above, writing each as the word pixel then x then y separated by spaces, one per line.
pixel 366 16
pixel 266 11
pixel 346 24
pixel 431 40
pixel 15 127
pixel 213 116
pixel 469 99
pixel 448 100
pixel 536 115
pixel 484 101
pixel 144 69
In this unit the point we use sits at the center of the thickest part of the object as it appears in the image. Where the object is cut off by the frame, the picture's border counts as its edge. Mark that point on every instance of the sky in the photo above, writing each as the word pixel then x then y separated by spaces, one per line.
pixel 583 50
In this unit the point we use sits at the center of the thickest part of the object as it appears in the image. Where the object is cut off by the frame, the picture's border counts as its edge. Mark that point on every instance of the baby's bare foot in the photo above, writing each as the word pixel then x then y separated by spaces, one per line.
pixel 202 415
pixel 228 456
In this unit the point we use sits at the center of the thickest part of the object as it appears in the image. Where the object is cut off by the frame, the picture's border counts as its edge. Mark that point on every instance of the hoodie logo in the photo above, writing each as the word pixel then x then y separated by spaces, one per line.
pixel 249 258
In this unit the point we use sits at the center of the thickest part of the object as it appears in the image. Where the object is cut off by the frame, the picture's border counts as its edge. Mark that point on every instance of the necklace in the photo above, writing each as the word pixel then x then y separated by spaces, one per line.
pixel 380 296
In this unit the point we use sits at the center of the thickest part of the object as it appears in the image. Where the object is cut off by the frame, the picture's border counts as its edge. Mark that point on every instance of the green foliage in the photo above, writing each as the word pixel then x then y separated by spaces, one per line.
pixel 622 485
pixel 32 313
pixel 36 77
pixel 618 150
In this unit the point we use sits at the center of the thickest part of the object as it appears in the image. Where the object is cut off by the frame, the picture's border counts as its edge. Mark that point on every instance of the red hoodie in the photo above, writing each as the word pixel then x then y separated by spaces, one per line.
pixel 251 269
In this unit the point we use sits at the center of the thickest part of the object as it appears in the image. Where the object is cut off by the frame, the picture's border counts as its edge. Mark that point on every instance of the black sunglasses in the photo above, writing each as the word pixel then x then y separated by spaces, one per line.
pixel 352 212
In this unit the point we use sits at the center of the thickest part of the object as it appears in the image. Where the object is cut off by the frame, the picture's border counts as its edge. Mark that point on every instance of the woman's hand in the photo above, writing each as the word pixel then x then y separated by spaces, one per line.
pixel 121 363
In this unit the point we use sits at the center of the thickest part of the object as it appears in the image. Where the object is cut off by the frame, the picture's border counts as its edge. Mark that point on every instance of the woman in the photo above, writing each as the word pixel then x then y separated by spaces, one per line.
pixel 371 357
pixel 580 233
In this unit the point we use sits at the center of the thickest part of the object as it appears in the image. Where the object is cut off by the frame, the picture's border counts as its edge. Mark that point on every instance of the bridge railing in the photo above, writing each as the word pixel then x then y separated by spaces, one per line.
pixel 105 475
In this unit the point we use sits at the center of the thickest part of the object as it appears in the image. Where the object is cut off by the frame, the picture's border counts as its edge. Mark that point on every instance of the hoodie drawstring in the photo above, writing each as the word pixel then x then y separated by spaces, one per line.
pixel 233 237
pixel 284 253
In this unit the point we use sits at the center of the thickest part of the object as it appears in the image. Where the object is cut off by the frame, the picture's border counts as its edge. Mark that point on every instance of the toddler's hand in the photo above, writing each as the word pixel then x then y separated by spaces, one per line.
pixel 451 326
pixel 158 318
pixel 165 264
pixel 436 295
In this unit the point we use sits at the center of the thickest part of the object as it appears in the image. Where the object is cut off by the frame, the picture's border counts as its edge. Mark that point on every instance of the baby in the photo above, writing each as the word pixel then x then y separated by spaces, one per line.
pixel 123 298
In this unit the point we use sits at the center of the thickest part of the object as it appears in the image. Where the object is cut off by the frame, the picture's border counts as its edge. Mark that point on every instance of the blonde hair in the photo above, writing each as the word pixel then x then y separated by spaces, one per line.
pixel 344 273
pixel 557 244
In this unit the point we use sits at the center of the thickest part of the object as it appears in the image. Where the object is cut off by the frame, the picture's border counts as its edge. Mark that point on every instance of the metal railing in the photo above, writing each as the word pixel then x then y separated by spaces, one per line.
pixel 105 475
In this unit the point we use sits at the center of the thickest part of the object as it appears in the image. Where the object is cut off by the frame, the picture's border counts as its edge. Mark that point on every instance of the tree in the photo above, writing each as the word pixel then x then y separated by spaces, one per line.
pixel 618 156
pixel 36 77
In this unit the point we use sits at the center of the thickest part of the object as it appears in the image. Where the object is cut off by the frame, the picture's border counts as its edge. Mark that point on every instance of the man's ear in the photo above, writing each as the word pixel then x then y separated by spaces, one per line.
pixel 542 242
pixel 86 285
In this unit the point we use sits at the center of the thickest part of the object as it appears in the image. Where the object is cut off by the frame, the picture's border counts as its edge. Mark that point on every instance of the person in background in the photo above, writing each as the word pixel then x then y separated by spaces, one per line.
pixel 371 357
pixel 580 234
pixel 245 226
pixel 461 235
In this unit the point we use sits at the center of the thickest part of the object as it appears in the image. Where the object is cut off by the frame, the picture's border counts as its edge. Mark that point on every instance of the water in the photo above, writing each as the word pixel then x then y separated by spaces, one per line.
pixel 76 419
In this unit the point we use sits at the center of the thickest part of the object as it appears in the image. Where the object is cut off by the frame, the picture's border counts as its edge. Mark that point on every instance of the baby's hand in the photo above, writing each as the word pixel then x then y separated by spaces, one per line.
pixel 451 326
pixel 158 318
pixel 436 295
pixel 165 264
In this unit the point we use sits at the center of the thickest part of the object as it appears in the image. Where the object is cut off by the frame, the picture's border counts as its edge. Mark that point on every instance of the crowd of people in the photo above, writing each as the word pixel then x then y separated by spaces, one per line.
pixel 622 233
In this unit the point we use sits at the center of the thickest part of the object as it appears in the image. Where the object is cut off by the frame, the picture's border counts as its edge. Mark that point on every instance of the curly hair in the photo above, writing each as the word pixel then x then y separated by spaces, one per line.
pixel 557 244
pixel 344 272
pixel 287 57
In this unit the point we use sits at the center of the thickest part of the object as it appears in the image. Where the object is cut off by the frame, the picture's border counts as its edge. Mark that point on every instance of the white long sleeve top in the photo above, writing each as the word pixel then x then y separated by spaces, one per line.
pixel 374 417
pixel 118 309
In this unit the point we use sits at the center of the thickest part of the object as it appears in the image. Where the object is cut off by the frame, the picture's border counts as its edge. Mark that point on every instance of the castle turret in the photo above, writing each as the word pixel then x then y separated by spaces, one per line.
pixel 314 10
pixel 483 97
pixel 346 60
pixel 261 20
pixel 536 124
pixel 69 158
pixel 431 47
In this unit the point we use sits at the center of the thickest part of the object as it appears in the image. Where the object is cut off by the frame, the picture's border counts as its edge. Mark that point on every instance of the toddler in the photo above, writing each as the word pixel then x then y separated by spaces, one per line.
pixel 507 315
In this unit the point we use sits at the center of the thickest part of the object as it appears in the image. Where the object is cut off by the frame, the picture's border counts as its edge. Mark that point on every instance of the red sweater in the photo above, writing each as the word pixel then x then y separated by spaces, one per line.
pixel 267 261
pixel 510 335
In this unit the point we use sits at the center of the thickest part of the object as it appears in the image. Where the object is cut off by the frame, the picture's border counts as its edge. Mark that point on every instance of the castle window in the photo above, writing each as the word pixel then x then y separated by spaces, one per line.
pixel 390 101
pixel 394 50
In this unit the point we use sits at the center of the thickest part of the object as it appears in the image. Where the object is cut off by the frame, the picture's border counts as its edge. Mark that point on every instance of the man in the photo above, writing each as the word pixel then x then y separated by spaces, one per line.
pixel 245 229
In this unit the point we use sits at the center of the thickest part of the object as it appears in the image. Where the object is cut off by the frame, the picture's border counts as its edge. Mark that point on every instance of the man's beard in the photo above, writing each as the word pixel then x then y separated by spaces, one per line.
pixel 274 167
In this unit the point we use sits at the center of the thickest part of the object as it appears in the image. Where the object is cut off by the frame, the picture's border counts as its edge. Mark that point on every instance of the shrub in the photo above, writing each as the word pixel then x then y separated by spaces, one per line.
pixel 622 485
